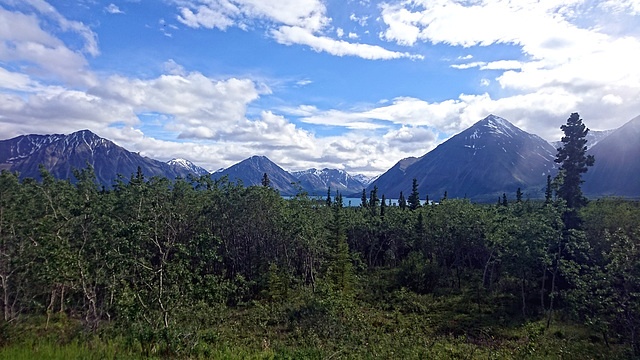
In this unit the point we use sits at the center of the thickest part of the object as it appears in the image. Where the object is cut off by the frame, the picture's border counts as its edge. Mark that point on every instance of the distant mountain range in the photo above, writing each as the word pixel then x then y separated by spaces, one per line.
pixel 61 153
pixel 481 163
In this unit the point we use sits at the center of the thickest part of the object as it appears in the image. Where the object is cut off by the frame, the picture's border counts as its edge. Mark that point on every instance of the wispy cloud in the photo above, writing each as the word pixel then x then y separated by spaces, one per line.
pixel 113 9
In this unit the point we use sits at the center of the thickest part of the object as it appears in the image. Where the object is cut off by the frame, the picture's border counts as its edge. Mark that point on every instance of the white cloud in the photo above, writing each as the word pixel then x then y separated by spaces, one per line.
pixel 575 56
pixel 469 65
pixel 23 39
pixel 90 37
pixel 113 9
pixel 173 68
pixel 194 100
pixel 210 17
pixel 612 99
pixel 353 35
pixel 288 35
pixel 502 65
pixel 361 20
pixel 300 22
pixel 309 14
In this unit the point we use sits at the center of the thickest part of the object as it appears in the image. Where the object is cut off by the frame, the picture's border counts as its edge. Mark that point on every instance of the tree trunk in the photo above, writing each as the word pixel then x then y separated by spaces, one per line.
pixel 5 297
pixel 544 280
pixel 486 268
pixel 552 294
pixel 524 299
pixel 50 307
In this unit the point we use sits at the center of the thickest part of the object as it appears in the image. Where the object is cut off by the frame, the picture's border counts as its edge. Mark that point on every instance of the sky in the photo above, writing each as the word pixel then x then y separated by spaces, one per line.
pixel 347 84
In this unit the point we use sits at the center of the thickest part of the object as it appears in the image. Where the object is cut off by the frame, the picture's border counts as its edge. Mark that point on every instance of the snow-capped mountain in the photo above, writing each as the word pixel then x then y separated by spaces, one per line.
pixel 316 182
pixel 491 157
pixel 366 180
pixel 60 154
pixel 188 166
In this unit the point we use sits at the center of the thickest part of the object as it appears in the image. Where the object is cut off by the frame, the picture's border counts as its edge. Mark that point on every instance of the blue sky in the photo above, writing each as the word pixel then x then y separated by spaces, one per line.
pixel 355 85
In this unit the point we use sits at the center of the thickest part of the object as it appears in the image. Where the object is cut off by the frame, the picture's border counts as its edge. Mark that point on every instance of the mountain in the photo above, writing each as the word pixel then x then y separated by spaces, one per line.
pixel 251 171
pixel 364 179
pixel 316 181
pixel 489 158
pixel 188 166
pixel 616 170
pixel 61 153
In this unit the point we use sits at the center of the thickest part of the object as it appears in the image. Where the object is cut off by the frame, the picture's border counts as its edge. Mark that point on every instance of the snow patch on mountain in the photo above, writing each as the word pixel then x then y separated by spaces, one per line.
pixel 188 165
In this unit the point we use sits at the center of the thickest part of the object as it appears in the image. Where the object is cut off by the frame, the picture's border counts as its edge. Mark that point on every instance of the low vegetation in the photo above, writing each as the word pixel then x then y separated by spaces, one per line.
pixel 195 268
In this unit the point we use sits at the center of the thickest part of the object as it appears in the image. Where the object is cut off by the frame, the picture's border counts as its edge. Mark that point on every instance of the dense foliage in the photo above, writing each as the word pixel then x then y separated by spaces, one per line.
pixel 191 266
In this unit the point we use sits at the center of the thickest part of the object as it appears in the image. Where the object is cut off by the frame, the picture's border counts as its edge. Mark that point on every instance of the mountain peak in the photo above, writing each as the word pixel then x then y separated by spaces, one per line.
pixel 188 165
pixel 497 121
pixel 493 125
pixel 483 161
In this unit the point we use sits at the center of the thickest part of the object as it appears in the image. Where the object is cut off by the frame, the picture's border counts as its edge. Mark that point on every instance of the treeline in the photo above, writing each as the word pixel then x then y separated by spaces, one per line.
pixel 150 256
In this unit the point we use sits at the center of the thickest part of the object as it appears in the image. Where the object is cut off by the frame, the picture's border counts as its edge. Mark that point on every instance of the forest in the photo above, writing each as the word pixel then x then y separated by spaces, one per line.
pixel 195 268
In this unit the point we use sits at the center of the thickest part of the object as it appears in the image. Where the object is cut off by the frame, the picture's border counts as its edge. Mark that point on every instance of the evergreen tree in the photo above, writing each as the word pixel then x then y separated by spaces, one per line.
pixel 340 271
pixel 363 199
pixel 548 193
pixel 401 201
pixel 373 199
pixel 504 200
pixel 265 180
pixel 414 198
pixel 445 196
pixel 427 200
pixel 574 161
pixel 518 196
pixel 276 283
pixel 328 201
pixel 382 206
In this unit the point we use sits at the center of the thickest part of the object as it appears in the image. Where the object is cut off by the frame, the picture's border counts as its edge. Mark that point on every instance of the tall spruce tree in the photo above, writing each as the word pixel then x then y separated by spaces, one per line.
pixel 414 198
pixel 340 272
pixel 363 199
pixel 373 199
pixel 574 161
pixel 402 202
pixel 265 180
pixel 548 193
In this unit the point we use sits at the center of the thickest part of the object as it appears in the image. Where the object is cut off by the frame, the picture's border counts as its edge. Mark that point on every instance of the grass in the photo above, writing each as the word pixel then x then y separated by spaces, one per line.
pixel 315 326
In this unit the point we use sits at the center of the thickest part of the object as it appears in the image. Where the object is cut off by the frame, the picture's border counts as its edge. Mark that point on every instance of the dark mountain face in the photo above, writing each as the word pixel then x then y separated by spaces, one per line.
pixel 316 181
pixel 250 171
pixel 616 170
pixel 490 158
pixel 61 153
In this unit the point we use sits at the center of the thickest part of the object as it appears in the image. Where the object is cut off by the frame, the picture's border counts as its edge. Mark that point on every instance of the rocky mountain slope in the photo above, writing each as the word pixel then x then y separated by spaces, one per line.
pixel 490 158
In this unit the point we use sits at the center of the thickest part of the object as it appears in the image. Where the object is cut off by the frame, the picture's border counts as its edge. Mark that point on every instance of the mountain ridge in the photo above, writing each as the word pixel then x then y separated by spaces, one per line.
pixel 491 157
